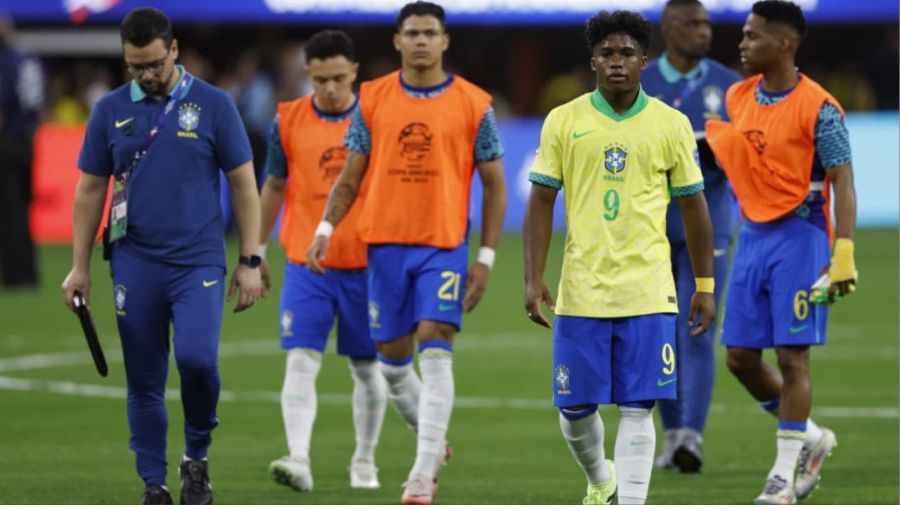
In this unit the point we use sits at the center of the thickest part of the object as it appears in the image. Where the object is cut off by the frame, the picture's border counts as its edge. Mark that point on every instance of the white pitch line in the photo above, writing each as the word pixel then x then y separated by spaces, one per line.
pixel 265 348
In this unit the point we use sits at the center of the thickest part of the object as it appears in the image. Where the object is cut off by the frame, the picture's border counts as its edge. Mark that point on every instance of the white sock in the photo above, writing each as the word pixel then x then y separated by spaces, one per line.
pixel 435 407
pixel 403 391
pixel 635 445
pixel 813 433
pixel 585 439
pixel 298 399
pixel 790 442
pixel 369 401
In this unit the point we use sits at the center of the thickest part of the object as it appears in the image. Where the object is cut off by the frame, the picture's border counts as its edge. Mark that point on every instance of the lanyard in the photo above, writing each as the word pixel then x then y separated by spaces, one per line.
pixel 688 89
pixel 158 123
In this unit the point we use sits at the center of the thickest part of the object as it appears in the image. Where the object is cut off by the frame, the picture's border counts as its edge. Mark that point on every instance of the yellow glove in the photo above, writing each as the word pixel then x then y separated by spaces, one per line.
pixel 842 268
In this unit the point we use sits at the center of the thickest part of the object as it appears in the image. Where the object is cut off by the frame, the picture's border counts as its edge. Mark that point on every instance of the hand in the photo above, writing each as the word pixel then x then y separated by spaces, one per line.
pixel 703 304
pixel 476 284
pixel 247 284
pixel 266 279
pixel 316 253
pixel 77 280
pixel 840 287
pixel 535 293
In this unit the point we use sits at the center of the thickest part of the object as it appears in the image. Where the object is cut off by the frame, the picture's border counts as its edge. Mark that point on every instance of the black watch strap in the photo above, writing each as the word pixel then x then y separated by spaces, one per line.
pixel 251 261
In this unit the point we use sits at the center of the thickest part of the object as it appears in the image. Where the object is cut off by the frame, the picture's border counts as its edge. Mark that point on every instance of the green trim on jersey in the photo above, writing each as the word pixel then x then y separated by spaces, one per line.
pixel 683 191
pixel 545 180
pixel 606 109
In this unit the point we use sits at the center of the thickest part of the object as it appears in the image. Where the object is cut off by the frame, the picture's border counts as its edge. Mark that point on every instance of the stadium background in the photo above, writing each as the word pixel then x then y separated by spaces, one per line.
pixel 63 433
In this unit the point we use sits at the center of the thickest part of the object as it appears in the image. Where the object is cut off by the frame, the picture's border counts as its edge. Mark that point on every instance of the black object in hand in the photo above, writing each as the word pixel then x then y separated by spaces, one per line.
pixel 90 333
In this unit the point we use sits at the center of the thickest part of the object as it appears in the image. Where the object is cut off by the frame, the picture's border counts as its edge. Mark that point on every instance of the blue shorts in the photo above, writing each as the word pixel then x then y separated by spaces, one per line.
pixel 613 360
pixel 408 284
pixel 310 303
pixel 767 304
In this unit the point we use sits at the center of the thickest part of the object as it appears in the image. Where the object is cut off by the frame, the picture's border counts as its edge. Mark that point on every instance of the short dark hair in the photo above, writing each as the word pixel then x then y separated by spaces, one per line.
pixel 604 24
pixel 681 3
pixel 784 12
pixel 420 8
pixel 329 43
pixel 144 25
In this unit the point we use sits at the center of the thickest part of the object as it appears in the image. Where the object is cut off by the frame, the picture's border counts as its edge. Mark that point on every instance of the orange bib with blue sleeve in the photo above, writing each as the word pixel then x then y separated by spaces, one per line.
pixel 421 162
pixel 767 151
pixel 315 157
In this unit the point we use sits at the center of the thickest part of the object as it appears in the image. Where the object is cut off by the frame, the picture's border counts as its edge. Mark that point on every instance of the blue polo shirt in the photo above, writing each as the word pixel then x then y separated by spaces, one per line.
pixel 174 214
pixel 700 95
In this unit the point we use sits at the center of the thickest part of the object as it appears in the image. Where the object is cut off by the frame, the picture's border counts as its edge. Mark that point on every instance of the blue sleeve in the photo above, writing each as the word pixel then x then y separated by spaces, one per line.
pixel 96 157
pixel 832 138
pixel 358 137
pixel 276 160
pixel 487 141
pixel 232 147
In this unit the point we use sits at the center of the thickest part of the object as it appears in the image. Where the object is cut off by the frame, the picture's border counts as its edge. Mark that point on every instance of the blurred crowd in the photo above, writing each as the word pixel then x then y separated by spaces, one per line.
pixel 529 70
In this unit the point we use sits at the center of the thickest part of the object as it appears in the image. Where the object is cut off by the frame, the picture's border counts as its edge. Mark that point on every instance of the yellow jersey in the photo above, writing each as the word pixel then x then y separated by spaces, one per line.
pixel 618 173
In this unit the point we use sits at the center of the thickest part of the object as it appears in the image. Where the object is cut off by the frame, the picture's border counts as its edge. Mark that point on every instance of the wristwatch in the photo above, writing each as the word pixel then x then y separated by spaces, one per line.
pixel 251 261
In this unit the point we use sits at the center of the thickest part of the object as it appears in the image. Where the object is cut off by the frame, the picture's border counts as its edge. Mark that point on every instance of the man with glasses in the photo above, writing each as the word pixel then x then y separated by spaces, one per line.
pixel 164 136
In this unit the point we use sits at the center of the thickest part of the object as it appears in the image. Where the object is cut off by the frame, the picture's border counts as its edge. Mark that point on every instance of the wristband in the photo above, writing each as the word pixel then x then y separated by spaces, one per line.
pixel 486 256
pixel 705 284
pixel 324 229
pixel 261 250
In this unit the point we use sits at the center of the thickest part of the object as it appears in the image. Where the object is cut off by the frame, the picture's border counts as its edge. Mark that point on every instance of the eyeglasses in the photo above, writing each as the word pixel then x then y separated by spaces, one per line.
pixel 154 67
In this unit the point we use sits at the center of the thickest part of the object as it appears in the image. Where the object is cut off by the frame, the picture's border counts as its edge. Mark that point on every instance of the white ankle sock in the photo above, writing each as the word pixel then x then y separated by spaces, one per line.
pixel 403 391
pixel 789 442
pixel 635 445
pixel 435 407
pixel 369 401
pixel 813 433
pixel 298 399
pixel 585 439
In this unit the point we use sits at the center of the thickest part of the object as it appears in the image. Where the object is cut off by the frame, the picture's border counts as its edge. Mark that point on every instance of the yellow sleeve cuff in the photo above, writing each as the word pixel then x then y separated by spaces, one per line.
pixel 705 284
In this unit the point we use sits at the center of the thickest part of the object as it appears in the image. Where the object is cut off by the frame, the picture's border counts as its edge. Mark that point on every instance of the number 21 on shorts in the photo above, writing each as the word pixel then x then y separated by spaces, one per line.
pixel 449 290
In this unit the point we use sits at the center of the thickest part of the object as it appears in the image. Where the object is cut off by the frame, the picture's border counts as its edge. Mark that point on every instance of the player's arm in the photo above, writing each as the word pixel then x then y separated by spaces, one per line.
pixel 245 199
pixel 271 198
pixel 341 198
pixel 536 236
pixel 90 195
pixel 488 158
pixel 699 235
pixel 832 142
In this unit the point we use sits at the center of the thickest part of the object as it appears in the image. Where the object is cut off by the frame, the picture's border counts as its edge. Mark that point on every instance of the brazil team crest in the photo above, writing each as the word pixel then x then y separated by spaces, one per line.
pixel 561 376
pixel 713 99
pixel 614 159
pixel 188 119
pixel 374 312
pixel 120 299
pixel 287 323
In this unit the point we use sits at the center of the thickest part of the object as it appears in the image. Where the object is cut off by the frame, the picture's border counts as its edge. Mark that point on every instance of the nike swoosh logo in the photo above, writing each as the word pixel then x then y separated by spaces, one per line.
pixel 639 442
pixel 660 383
pixel 576 135
pixel 446 308
pixel 207 284
pixel 719 252
pixel 797 329
pixel 124 122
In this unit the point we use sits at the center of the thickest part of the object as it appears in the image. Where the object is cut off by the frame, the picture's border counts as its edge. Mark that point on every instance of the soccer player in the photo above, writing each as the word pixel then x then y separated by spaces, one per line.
pixel 621 156
pixel 419 133
pixel 688 81
pixel 164 137
pixel 305 157
pixel 786 146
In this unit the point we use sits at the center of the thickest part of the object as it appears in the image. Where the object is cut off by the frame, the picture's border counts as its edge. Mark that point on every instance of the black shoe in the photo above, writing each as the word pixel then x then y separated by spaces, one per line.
pixel 195 487
pixel 688 458
pixel 156 495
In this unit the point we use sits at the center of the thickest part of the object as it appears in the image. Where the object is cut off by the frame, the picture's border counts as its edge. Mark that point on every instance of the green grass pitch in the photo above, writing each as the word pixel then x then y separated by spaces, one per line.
pixel 63 439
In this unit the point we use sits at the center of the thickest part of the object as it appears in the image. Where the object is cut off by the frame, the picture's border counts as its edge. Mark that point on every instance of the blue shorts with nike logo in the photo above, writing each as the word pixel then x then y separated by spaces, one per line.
pixel 613 360
pixel 409 283
pixel 767 303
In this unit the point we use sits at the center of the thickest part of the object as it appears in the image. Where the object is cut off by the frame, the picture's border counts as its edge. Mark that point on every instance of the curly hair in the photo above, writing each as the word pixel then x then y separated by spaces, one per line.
pixel 604 24
pixel 784 12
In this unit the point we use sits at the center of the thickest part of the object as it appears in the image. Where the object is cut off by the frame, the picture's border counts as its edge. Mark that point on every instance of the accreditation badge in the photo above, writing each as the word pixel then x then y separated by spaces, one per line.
pixel 118 215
